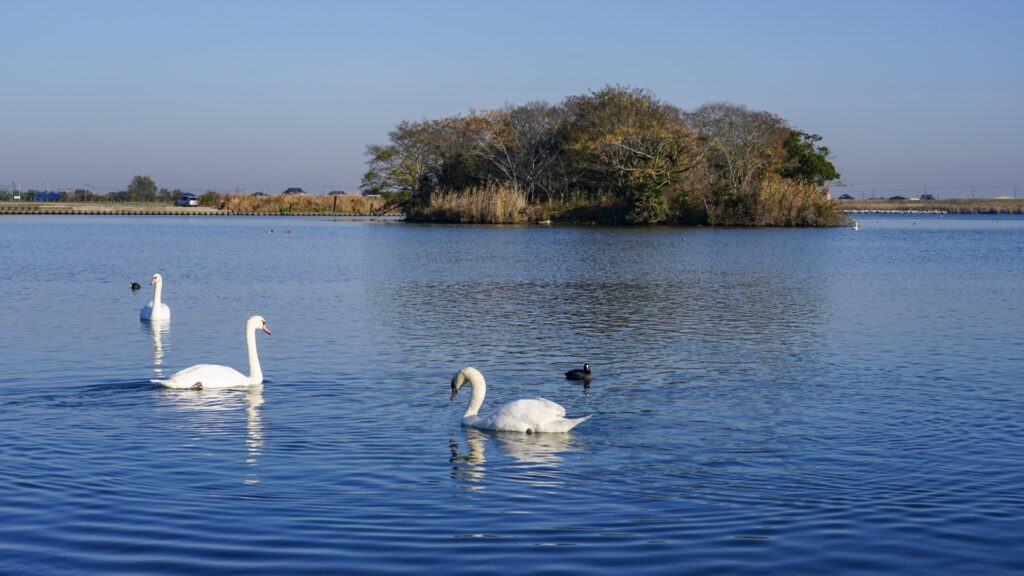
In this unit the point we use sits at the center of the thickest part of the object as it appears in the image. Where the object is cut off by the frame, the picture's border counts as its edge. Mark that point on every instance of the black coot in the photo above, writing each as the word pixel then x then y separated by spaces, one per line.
pixel 585 374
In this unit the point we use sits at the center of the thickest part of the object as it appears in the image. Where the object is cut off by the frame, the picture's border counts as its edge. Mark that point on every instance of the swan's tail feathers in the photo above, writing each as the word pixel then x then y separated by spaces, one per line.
pixel 571 423
pixel 166 383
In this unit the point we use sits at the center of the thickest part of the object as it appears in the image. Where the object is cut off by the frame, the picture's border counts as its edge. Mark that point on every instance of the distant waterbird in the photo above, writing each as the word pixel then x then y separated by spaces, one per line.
pixel 528 415
pixel 136 286
pixel 584 375
pixel 156 310
pixel 855 226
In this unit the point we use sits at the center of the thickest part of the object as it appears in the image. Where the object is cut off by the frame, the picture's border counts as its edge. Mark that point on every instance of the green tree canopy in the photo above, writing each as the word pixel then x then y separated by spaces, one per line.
pixel 141 188
pixel 806 161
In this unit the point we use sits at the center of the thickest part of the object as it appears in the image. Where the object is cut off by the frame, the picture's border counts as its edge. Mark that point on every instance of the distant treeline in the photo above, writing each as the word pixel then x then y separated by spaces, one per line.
pixel 162 195
pixel 616 155
pixel 140 189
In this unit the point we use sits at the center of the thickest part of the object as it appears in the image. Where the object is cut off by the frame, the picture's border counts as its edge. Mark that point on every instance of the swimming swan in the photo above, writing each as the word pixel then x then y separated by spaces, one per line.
pixel 156 310
pixel 526 415
pixel 206 376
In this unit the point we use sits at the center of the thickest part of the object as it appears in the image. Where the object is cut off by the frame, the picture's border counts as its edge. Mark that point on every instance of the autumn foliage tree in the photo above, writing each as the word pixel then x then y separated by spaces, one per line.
pixel 617 154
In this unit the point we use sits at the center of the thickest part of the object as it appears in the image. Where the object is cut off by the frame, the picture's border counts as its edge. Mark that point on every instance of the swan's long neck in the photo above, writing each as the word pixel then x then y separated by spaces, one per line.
pixel 157 289
pixel 476 382
pixel 255 372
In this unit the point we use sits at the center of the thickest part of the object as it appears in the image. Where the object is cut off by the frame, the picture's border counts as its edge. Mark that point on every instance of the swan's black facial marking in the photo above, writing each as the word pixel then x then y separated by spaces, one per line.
pixel 455 390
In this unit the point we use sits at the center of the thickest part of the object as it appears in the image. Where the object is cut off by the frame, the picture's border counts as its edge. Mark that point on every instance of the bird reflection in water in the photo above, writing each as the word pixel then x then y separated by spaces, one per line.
pixel 537 457
pixel 213 412
pixel 158 329
pixel 254 442
pixel 468 469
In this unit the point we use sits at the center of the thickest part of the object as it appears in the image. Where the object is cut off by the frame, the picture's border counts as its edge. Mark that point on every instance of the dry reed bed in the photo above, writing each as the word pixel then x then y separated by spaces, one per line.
pixel 782 202
pixel 347 204
pixel 493 204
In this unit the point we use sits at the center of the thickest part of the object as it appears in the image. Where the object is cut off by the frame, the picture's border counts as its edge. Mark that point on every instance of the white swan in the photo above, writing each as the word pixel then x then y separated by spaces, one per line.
pixel 156 310
pixel 204 376
pixel 525 415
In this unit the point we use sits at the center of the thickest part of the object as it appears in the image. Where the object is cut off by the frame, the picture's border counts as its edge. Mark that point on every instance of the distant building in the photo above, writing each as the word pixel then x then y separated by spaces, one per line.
pixel 845 197
pixel 293 191
pixel 46 196
pixel 896 198
pixel 927 197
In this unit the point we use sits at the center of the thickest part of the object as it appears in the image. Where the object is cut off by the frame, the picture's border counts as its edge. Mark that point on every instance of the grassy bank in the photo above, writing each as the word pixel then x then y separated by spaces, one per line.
pixel 347 205
pixel 778 202
pixel 971 206
pixel 483 205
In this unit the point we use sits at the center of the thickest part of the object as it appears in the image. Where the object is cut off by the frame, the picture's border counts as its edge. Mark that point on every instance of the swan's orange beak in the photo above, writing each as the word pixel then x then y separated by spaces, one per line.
pixel 266 329
pixel 152 280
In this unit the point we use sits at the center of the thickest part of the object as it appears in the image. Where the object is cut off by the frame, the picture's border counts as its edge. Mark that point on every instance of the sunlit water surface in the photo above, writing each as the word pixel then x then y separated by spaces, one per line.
pixel 766 401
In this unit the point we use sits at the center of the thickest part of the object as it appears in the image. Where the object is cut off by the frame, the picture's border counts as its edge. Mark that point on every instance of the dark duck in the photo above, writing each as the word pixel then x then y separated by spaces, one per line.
pixel 576 374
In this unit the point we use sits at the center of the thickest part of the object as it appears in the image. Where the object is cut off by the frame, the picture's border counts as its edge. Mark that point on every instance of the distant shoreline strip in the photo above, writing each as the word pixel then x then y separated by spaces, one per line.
pixel 868 211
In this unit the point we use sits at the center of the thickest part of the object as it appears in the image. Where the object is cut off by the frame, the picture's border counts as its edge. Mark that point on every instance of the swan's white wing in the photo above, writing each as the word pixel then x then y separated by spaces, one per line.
pixel 554 407
pixel 529 414
pixel 208 375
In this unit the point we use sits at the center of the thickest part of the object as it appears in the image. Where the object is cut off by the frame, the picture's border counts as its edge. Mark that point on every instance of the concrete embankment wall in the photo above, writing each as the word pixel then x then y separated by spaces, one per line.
pixel 44 208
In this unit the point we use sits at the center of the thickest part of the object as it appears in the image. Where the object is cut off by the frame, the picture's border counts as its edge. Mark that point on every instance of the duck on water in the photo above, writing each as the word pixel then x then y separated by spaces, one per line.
pixel 584 375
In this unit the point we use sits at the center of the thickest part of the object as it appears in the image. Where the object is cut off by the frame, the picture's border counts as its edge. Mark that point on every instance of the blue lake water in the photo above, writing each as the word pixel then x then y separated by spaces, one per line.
pixel 766 401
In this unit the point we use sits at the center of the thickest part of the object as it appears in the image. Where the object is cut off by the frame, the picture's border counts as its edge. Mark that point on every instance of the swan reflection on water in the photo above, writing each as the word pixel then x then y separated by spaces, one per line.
pixel 158 329
pixel 212 412
pixel 536 458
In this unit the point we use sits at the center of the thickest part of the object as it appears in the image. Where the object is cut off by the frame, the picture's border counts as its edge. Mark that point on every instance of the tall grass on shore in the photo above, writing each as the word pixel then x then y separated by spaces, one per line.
pixel 952 206
pixel 297 204
pixel 783 202
pixel 491 204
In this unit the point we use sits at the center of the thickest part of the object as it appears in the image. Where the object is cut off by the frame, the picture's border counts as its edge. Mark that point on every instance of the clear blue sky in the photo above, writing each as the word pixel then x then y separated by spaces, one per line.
pixel 224 94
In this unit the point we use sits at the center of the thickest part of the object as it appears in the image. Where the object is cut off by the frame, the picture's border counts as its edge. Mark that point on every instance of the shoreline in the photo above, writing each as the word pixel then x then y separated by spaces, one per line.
pixel 934 207
pixel 967 206
pixel 138 209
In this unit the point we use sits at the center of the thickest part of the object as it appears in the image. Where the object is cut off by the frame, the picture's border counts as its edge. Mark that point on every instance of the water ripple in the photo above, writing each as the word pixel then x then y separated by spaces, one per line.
pixel 767 402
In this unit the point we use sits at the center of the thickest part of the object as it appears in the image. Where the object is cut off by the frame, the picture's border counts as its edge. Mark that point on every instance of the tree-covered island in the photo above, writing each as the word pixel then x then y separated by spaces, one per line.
pixel 616 155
